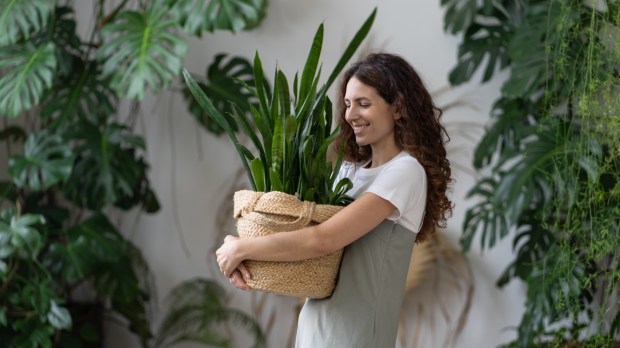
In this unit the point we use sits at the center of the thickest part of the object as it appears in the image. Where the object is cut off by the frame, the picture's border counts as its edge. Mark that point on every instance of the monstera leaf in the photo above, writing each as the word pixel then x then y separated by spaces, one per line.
pixel 529 71
pixel 29 73
pixel 509 126
pixel 459 14
pixel 22 17
pixel 82 95
pixel 108 168
pixel 481 42
pixel 530 245
pixel 47 160
pixel 87 245
pixel 20 236
pixel 141 49
pixel 63 34
pixel 234 15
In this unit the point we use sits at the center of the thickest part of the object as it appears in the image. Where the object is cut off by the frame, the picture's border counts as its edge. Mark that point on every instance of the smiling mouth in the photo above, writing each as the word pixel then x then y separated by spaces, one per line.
pixel 358 129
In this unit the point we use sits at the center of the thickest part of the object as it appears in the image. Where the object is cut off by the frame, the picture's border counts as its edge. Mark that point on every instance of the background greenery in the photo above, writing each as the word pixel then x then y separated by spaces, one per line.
pixel 551 154
pixel 75 162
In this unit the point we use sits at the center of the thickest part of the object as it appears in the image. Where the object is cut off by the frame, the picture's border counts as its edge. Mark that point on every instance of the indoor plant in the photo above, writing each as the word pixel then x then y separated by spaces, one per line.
pixel 291 135
pixel 75 163
pixel 552 148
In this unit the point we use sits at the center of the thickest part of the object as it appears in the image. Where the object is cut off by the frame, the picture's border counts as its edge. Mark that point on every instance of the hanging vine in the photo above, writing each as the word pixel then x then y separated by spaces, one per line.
pixel 553 147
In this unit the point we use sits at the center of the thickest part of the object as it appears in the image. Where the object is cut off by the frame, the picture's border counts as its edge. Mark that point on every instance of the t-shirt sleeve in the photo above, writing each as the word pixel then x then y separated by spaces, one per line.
pixel 402 183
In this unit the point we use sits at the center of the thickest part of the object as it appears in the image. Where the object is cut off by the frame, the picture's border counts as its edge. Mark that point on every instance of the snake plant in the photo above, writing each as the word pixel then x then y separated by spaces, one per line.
pixel 291 133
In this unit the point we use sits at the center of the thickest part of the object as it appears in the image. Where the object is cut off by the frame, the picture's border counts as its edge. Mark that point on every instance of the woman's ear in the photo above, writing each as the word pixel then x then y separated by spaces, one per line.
pixel 397 108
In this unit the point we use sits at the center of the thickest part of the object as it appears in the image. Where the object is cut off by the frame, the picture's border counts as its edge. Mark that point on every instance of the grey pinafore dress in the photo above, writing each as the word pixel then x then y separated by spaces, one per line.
pixel 364 310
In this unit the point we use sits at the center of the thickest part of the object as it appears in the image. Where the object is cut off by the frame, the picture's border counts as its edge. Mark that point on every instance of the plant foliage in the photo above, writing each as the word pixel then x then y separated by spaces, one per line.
pixel 552 147
pixel 73 158
pixel 291 132
pixel 185 319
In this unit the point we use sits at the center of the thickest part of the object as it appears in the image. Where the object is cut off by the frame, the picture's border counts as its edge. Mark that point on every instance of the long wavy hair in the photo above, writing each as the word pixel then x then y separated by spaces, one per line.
pixel 418 130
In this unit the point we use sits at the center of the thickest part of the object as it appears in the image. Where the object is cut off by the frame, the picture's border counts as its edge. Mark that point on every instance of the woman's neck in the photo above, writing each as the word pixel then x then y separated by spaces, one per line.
pixel 383 156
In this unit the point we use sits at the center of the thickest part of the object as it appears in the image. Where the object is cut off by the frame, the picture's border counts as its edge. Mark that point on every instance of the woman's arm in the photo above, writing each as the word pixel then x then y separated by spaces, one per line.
pixel 349 224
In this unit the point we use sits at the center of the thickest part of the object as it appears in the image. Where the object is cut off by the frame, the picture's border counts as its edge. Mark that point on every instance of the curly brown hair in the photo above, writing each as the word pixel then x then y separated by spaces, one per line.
pixel 418 131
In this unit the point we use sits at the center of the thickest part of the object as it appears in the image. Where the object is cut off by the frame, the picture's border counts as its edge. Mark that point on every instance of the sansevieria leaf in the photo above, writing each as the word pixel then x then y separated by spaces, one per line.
pixel 20 18
pixel 142 49
pixel 227 83
pixel 258 173
pixel 29 72
pixel 207 105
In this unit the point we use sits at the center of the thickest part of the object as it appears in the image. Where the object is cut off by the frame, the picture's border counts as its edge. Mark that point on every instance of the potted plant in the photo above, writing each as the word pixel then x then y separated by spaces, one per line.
pixel 552 150
pixel 290 175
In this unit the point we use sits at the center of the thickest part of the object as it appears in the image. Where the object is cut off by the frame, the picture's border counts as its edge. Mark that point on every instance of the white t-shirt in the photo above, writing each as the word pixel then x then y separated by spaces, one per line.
pixel 401 181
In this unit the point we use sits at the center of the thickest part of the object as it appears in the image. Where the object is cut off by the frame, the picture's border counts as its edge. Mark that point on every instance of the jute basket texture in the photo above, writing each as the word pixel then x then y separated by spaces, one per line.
pixel 265 213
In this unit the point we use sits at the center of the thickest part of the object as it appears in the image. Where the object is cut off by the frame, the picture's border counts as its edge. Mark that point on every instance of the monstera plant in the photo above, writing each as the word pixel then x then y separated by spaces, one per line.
pixel 75 163
pixel 552 149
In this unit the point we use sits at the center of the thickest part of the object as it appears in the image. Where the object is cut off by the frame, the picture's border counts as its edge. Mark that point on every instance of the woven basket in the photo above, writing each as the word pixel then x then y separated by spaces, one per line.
pixel 265 213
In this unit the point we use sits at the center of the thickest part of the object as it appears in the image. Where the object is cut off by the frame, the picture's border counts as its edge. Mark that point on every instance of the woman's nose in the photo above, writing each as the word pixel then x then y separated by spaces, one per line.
pixel 351 114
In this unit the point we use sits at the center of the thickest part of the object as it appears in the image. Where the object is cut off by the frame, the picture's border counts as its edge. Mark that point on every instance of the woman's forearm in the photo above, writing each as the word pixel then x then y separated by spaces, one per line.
pixel 284 246
pixel 344 227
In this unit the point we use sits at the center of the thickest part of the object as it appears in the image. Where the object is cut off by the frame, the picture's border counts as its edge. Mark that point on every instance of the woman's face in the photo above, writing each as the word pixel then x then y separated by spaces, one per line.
pixel 370 116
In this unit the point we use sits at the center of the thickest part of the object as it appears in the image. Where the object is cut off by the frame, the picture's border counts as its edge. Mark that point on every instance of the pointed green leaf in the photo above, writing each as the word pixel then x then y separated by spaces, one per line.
pixel 228 83
pixel 207 105
pixel 276 183
pixel 278 144
pixel 360 35
pixel 308 74
pixel 258 172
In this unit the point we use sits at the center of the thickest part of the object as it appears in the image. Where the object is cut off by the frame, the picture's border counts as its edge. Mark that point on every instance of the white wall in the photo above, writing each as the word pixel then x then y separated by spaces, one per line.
pixel 192 171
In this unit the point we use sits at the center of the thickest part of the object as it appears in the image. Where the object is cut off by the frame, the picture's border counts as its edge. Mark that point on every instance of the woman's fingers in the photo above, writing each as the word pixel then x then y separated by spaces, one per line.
pixel 244 270
pixel 237 280
pixel 228 238
pixel 226 259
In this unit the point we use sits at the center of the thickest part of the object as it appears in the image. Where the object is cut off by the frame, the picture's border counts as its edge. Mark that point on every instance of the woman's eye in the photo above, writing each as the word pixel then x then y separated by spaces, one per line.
pixel 364 105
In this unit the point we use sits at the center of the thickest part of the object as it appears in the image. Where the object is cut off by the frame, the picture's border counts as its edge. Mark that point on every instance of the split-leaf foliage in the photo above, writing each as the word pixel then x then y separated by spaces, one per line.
pixel 553 152
pixel 75 163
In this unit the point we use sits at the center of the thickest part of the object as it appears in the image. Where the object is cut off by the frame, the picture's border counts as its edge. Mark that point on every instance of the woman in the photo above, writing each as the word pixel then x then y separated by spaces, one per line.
pixel 394 148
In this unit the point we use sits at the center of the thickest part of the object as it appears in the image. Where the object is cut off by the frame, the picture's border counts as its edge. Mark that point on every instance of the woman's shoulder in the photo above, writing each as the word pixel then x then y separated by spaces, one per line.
pixel 405 160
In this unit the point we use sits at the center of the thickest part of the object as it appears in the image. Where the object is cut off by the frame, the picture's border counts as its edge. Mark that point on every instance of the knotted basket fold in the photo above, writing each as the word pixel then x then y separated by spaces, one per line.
pixel 264 213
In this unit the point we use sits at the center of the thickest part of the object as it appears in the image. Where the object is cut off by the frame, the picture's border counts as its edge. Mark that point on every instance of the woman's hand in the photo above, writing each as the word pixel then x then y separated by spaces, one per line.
pixel 237 279
pixel 227 256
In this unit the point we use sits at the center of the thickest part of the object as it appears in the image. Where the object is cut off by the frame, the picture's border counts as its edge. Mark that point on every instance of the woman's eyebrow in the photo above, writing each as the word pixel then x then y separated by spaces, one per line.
pixel 357 99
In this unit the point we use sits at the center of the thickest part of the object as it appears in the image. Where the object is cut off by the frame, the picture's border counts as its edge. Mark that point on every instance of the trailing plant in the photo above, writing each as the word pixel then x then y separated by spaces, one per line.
pixel 552 149
pixel 74 162
pixel 291 133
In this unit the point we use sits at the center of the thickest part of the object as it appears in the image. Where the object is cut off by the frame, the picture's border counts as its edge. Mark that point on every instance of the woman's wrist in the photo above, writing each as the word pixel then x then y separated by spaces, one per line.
pixel 241 248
